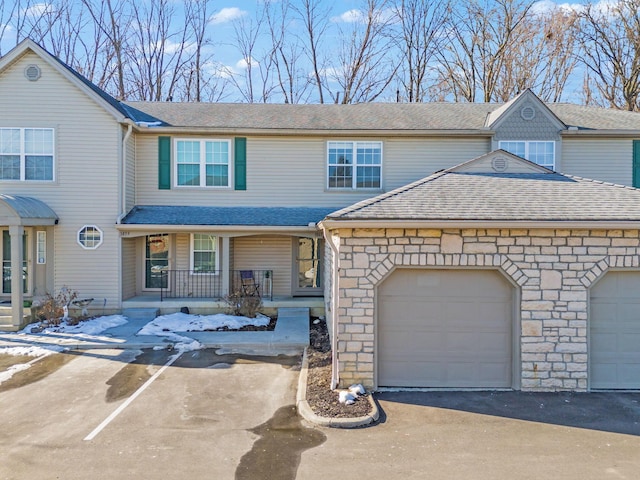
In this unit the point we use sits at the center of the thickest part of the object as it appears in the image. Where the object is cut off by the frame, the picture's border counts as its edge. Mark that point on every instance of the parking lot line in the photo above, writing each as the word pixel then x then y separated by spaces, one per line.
pixel 128 401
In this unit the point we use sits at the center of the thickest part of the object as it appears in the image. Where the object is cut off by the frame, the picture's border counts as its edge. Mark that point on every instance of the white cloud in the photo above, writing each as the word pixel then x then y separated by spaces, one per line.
pixel 350 16
pixel 39 9
pixel 226 15
pixel 360 16
pixel 243 63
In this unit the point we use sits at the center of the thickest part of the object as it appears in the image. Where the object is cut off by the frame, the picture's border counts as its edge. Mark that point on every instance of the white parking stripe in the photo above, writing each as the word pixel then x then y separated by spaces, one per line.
pixel 128 401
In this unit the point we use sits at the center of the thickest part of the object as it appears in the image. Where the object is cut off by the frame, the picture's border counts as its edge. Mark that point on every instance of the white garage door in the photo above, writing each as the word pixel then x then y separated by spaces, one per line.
pixel 445 328
pixel 614 342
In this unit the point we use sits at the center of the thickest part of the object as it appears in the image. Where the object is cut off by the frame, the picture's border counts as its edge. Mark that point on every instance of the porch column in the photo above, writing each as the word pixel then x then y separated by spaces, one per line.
pixel 225 265
pixel 16 232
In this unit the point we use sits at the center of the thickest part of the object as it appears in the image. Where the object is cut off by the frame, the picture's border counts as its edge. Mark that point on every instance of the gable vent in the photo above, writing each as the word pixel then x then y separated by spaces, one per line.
pixel 528 112
pixel 499 164
pixel 32 72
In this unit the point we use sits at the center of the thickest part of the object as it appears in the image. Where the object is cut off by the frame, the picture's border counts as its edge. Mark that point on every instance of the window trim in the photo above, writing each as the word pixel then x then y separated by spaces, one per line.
pixel 354 165
pixel 41 247
pixel 527 144
pixel 80 233
pixel 192 251
pixel 202 163
pixel 23 154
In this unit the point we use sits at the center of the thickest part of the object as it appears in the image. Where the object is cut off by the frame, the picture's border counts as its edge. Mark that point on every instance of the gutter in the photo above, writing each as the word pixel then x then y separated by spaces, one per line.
pixel 335 377
pixel 141 228
pixel 510 224
pixel 123 200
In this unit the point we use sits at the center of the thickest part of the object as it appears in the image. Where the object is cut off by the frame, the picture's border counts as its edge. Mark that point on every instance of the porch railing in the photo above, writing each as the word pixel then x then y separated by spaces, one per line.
pixel 208 284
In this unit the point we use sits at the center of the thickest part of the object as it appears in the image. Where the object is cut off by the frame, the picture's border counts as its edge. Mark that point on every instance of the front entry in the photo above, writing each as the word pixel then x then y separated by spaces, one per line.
pixel 6 262
pixel 156 262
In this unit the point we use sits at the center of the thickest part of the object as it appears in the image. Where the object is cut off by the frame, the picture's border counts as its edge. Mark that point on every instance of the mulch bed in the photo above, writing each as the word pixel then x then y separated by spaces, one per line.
pixel 322 400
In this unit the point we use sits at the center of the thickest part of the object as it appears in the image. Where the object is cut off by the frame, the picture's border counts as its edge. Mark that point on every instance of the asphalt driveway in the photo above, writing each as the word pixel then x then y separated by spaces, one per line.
pixel 487 435
pixel 111 414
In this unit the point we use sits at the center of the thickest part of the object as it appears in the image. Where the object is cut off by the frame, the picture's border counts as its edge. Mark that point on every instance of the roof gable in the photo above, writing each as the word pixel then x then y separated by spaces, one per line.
pixel 476 192
pixel 117 109
pixel 525 104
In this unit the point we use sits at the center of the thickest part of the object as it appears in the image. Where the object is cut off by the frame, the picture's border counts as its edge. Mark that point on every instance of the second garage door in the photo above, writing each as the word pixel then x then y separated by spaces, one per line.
pixel 445 328
pixel 615 331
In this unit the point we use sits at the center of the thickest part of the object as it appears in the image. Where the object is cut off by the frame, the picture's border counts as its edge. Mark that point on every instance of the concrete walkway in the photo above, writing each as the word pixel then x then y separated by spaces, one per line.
pixel 290 336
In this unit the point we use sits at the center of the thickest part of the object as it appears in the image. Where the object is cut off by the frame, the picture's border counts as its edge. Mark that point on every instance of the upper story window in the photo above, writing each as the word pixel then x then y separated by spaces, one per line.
pixel 202 163
pixel 542 153
pixel 26 154
pixel 354 164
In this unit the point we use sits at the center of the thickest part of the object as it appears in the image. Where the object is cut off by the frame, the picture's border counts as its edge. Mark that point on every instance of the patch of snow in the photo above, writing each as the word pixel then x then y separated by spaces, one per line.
pixel 89 327
pixel 184 322
pixel 30 351
pixel 8 373
pixel 357 389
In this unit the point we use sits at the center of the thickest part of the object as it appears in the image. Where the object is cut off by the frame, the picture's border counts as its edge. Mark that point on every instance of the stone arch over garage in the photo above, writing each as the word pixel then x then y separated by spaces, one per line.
pixel 446 260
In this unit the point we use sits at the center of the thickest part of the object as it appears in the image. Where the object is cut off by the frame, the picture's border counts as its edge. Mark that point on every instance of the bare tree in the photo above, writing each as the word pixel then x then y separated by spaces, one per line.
pixel 157 55
pixel 479 35
pixel 247 33
pixel 286 53
pixel 609 38
pixel 420 27
pixel 365 67
pixel 540 56
pixel 315 17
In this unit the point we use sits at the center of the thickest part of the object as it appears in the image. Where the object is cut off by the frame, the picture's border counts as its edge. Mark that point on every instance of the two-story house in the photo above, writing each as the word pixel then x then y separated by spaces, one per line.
pixel 439 258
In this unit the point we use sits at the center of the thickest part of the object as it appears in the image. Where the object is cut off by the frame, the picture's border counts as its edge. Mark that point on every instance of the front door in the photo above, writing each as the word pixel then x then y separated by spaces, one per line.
pixel 6 262
pixel 156 261
pixel 307 266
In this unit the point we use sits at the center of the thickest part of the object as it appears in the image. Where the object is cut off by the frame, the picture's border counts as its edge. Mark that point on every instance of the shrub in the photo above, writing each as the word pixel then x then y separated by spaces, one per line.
pixel 239 303
pixel 52 308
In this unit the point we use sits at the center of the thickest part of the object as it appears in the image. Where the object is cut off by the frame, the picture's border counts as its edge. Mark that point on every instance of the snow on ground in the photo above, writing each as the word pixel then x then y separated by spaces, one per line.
pixel 183 322
pixel 31 351
pixel 93 326
pixel 167 325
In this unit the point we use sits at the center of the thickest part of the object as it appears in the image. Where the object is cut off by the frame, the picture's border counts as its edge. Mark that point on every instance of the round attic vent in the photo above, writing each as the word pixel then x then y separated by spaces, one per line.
pixel 528 112
pixel 499 164
pixel 32 72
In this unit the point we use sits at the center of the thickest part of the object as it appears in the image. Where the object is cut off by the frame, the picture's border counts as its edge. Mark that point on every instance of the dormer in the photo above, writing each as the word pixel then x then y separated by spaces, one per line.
pixel 526 127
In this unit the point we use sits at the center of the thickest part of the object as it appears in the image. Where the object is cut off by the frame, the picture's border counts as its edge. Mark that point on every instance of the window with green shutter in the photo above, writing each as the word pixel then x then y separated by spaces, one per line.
pixel 240 163
pixel 636 163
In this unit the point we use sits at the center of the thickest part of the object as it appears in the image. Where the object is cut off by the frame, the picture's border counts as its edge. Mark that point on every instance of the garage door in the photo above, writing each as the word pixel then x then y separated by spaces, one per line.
pixel 445 328
pixel 614 342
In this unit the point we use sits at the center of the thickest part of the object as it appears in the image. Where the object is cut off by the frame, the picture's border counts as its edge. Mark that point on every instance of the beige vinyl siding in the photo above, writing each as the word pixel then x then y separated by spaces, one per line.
pixel 609 160
pixel 408 160
pixel 86 190
pixel 266 253
pixel 129 269
pixel 130 173
pixel 286 171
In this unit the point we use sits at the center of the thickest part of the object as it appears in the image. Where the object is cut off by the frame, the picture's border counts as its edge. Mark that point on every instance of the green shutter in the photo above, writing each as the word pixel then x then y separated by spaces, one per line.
pixel 636 163
pixel 240 163
pixel 164 163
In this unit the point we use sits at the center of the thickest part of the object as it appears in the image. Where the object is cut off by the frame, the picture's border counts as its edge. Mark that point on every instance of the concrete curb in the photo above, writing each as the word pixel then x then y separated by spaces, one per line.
pixel 307 413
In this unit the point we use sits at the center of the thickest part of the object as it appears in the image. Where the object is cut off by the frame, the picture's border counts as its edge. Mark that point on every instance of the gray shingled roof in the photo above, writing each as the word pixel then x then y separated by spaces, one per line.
pixel 466 196
pixel 29 208
pixel 227 216
pixel 367 116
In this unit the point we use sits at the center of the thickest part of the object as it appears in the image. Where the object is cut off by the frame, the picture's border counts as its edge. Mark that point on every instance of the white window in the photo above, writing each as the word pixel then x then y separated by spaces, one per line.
pixel 203 253
pixel 41 247
pixel 26 154
pixel 542 153
pixel 90 237
pixel 354 164
pixel 202 163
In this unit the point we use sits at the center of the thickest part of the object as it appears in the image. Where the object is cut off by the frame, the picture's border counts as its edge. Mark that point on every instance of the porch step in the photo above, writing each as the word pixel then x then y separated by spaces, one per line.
pixel 6 323
pixel 147 314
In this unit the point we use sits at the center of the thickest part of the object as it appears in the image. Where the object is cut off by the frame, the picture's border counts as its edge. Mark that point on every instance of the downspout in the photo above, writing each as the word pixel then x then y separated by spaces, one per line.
pixel 123 184
pixel 334 310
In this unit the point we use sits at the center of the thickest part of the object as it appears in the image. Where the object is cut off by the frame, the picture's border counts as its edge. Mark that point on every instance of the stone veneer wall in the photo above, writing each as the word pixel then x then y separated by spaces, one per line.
pixel 553 269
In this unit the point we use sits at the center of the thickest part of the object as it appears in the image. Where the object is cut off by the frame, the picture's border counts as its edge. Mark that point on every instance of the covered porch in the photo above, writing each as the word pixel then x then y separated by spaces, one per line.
pixel 195 256
pixel 21 275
